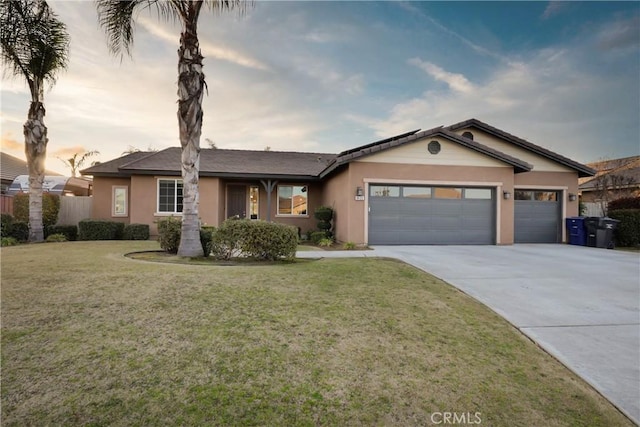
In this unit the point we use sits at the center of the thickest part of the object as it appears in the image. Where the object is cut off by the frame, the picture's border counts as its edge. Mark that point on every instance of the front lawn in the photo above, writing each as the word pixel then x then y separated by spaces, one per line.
pixel 92 338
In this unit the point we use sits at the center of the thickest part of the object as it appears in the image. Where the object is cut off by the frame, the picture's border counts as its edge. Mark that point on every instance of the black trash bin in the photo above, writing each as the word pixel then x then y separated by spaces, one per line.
pixel 600 231
pixel 591 224
pixel 604 238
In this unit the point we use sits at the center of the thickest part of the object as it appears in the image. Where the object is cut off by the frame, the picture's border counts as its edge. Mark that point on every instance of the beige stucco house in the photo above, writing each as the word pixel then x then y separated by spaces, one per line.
pixel 468 183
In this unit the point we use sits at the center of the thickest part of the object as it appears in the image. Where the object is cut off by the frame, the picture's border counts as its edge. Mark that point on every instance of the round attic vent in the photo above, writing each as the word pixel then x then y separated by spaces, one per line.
pixel 468 135
pixel 434 147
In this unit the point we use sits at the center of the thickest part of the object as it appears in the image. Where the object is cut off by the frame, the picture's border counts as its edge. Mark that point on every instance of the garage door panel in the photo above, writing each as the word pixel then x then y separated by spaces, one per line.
pixel 537 221
pixel 420 221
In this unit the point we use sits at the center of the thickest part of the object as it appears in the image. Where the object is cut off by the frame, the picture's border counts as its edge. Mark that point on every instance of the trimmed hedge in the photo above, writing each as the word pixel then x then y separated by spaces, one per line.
pixel 624 203
pixel 69 231
pixel 627 233
pixel 20 231
pixel 169 232
pixel 50 208
pixel 136 232
pixel 6 225
pixel 255 239
pixel 96 229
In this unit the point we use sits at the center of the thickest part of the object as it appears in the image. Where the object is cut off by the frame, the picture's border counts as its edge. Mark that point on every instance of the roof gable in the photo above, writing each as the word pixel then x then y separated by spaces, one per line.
pixel 386 144
pixel 582 170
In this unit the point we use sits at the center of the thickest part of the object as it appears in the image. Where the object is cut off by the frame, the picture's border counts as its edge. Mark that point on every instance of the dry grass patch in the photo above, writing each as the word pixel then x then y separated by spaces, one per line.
pixel 92 338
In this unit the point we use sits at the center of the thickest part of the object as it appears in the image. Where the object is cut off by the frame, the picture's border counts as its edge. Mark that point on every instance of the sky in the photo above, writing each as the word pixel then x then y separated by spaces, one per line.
pixel 329 76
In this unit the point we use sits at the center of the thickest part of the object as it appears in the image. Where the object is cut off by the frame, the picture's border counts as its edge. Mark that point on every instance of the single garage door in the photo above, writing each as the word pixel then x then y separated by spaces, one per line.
pixel 537 216
pixel 426 215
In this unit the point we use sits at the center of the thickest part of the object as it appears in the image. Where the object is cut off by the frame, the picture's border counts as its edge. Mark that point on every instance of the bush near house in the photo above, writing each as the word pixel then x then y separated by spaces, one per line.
pixel 324 215
pixel 70 232
pixel 170 231
pixel 50 208
pixel 97 229
pixel 55 238
pixel 627 211
pixel 136 232
pixel 20 231
pixel 254 239
pixel 6 225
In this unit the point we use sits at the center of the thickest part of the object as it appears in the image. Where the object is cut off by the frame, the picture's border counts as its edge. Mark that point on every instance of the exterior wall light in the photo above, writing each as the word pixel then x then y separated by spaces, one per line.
pixel 572 197
pixel 506 195
pixel 359 192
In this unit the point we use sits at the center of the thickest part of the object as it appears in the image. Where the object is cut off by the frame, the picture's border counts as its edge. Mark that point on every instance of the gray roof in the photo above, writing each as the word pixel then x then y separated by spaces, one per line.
pixel 11 167
pixel 627 173
pixel 222 163
pixel 314 166
pixel 366 150
pixel 582 170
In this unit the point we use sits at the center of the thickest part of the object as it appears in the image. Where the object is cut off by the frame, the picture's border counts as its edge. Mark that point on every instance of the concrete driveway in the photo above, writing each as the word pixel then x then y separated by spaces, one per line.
pixel 580 304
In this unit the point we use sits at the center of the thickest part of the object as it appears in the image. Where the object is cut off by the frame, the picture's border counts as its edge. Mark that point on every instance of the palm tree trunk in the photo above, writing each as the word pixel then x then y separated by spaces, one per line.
pixel 35 142
pixel 190 91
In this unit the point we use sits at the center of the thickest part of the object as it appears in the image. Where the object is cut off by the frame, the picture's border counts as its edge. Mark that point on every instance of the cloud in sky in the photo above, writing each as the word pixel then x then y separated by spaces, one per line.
pixel 553 8
pixel 327 76
pixel 10 144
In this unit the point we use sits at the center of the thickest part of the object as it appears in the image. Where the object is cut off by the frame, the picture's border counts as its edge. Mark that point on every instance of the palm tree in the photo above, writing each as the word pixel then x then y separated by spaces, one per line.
pixel 35 46
pixel 77 160
pixel 116 17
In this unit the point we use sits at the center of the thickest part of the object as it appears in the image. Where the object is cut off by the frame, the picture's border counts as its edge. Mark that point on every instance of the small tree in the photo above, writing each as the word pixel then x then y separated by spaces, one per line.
pixel 77 161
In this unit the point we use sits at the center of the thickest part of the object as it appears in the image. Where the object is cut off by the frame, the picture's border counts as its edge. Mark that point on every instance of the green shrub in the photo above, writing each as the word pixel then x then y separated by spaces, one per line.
pixel 349 246
pixel 323 213
pixel 254 239
pixel 57 237
pixel 8 241
pixel 316 236
pixel 20 231
pixel 270 241
pixel 50 208
pixel 627 233
pixel 206 239
pixel 136 232
pixel 326 242
pixel 69 231
pixel 169 232
pixel 227 240
pixel 624 203
pixel 6 225
pixel 324 226
pixel 97 229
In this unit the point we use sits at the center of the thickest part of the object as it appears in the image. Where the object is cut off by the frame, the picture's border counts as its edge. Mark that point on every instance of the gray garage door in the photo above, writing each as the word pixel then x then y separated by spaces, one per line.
pixel 537 217
pixel 424 215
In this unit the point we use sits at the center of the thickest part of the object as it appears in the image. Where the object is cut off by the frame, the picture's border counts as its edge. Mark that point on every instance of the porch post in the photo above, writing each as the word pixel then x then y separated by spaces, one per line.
pixel 268 186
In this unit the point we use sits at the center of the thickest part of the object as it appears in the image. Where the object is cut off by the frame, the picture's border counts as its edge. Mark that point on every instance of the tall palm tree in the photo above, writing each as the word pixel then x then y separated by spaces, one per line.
pixel 35 46
pixel 116 17
pixel 76 161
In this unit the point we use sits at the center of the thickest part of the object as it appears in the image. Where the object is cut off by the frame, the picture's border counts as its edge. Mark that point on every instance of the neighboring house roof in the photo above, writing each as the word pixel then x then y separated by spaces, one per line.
pixel 366 150
pixel 11 167
pixel 627 171
pixel 582 170
pixel 221 163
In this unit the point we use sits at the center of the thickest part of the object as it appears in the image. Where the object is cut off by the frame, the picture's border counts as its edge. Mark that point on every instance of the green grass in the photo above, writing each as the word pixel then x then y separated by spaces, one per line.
pixel 90 337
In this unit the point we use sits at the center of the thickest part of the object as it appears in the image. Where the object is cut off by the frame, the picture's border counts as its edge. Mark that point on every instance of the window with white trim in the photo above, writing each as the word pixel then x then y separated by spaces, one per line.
pixel 119 201
pixel 292 200
pixel 169 196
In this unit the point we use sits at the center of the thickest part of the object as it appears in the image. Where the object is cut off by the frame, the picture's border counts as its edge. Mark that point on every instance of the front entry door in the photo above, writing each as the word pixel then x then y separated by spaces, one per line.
pixel 237 201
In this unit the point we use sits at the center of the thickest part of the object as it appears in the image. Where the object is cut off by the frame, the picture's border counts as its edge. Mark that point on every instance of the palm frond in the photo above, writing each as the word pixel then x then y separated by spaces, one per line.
pixel 35 44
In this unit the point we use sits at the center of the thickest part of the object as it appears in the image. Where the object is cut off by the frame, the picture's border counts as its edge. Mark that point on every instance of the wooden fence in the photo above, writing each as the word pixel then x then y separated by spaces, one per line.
pixel 6 204
pixel 74 209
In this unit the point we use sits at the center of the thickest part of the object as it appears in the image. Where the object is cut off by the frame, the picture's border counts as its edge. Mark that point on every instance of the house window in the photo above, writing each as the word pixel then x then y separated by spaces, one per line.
pixel 254 199
pixel 119 201
pixel 292 200
pixel 169 195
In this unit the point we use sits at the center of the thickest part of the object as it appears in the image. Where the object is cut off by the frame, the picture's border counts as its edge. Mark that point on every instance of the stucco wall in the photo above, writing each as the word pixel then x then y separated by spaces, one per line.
pixel 337 193
pixel 102 199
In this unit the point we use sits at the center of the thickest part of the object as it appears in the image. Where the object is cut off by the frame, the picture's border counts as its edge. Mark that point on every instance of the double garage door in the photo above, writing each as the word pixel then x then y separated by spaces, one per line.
pixel 427 215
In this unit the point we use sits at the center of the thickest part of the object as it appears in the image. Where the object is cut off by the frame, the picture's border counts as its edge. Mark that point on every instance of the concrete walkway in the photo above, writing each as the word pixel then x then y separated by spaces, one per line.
pixel 580 304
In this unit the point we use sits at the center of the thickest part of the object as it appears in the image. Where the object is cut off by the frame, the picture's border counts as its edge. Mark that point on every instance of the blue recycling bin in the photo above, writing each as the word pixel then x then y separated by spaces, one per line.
pixel 577 231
